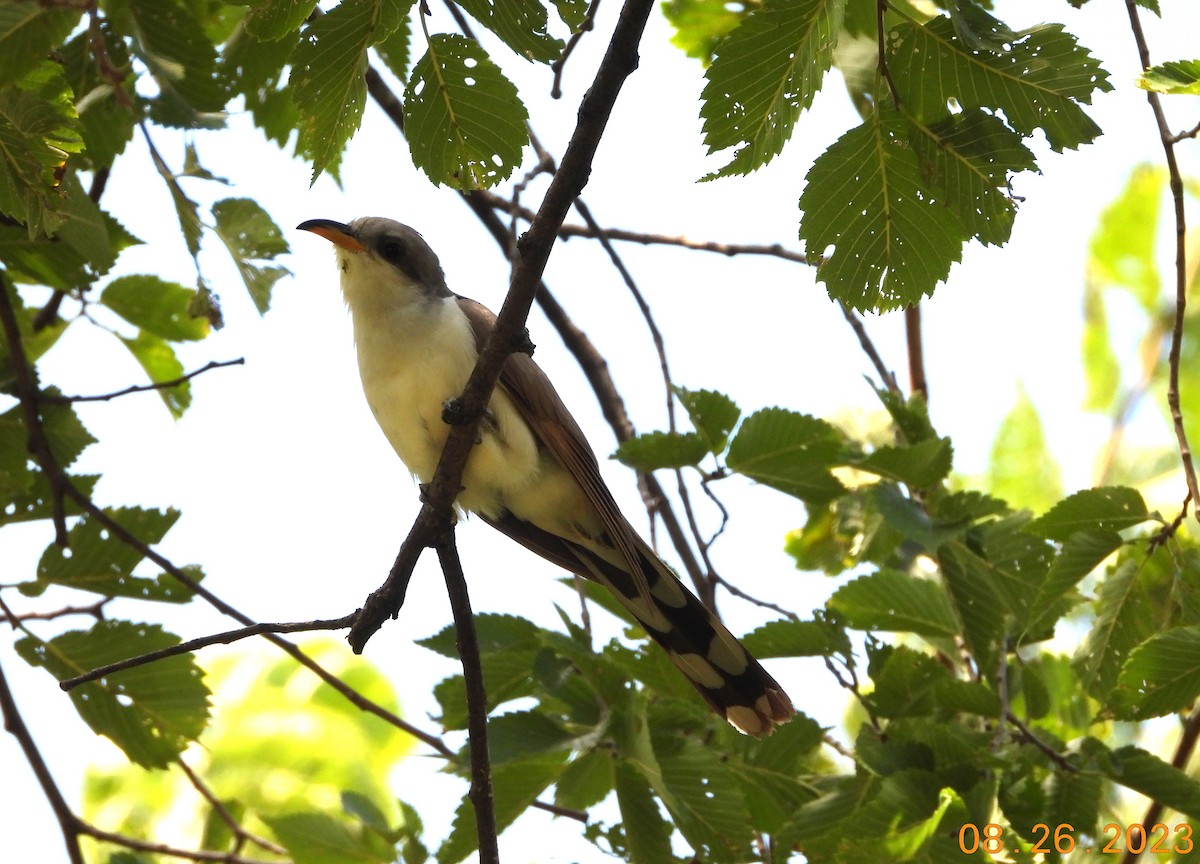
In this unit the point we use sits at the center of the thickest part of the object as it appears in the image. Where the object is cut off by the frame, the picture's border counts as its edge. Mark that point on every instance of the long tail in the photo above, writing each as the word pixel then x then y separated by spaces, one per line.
pixel 731 681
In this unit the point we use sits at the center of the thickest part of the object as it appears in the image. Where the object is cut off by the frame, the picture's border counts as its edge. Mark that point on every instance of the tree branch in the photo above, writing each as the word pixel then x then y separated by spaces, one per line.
pixel 916 351
pixel 144 388
pixel 480 793
pixel 1176 184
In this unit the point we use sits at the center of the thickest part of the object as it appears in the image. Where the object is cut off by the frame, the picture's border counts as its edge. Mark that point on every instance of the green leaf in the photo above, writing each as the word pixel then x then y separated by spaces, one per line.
pixel 520 734
pixel 705 802
pixel 894 601
pixel 1174 77
pixel 700 25
pixel 977 598
pixel 97 561
pixel 796 639
pixel 1107 508
pixel 764 74
pixel 271 20
pixel 155 305
pixel 39 129
pixel 316 838
pixel 712 414
pixel 65 433
pixel 970 158
pixel 521 24
pixel 586 781
pixel 328 69
pixel 250 235
pixel 35 501
pixel 1122 250
pixel 647 834
pixel 152 711
pixel 654 450
pixel 1038 80
pixel 463 119
pixel 181 58
pixel 516 785
pixel 395 50
pixel 1124 619
pixel 28 32
pixel 1143 772
pixel 789 452
pixel 1022 470
pixel 1101 367
pixel 919 465
pixel 907 682
pixel 1082 553
pixel 884 239
pixel 1162 675
pixel 158 359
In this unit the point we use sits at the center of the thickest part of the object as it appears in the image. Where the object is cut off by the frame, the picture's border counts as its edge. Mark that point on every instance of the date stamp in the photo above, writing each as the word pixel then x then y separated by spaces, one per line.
pixel 1116 839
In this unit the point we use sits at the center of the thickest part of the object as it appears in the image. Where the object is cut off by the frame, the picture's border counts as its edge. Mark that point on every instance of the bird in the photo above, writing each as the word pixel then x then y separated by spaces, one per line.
pixel 531 474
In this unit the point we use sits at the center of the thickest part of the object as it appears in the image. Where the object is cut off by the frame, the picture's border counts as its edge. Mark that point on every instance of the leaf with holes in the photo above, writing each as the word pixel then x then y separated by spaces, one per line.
pixel 464 121
pixel 250 235
pixel 151 712
pixel 888 240
pixel 767 71
pixel 520 23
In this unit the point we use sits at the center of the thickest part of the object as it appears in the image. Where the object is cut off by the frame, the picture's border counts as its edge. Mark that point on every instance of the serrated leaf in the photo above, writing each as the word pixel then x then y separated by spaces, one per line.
pixel 1124 619
pixel 1173 77
pixel 700 25
pixel 1144 772
pixel 712 414
pixel 521 24
pixel 1039 80
pixel 1082 553
pixel 96 561
pixel 271 20
pixel 969 159
pixel 706 804
pixel 36 501
pixel 316 838
pixel 1106 508
pixel 495 633
pixel 328 68
pixel 1162 675
pixel 521 734
pixel 28 31
pixel 64 432
pixel 1022 470
pixel 790 452
pixel 919 465
pixel 586 781
pixel 158 359
pixel 250 235
pixel 155 305
pixel 894 601
pixel 796 639
pixel 39 129
pixel 515 786
pixel 907 683
pixel 765 73
pixel 977 598
pixel 463 119
pixel 651 451
pixel 395 50
pixel 151 712
pixel 647 834
pixel 886 241
pixel 181 58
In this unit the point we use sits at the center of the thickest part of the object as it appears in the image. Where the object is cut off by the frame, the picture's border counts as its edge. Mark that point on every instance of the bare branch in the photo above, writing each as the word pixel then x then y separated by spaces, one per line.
pixel 191 645
pixel 886 376
pixel 558 65
pixel 13 724
pixel 1181 280
pixel 480 793
pixel 164 849
pixel 235 827
pixel 916 351
pixel 145 388
pixel 95 610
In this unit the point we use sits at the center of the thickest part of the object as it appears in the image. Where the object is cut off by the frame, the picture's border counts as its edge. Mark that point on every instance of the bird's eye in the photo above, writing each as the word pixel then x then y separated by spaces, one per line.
pixel 392 250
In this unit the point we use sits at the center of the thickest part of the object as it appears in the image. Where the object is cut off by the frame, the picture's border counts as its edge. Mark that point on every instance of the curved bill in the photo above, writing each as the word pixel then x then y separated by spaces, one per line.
pixel 334 232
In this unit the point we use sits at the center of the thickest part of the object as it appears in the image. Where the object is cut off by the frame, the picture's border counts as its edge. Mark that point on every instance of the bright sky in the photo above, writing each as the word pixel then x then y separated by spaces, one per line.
pixel 295 505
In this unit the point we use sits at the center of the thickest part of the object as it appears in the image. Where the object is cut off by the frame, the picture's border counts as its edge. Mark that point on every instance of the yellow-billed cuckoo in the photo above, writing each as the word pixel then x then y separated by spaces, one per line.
pixel 532 474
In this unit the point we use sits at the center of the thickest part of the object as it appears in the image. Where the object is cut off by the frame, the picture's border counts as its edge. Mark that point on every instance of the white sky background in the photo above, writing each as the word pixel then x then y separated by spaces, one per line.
pixel 295 505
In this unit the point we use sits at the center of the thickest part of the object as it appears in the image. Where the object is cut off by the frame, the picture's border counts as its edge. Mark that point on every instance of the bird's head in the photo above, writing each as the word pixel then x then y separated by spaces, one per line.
pixel 382 261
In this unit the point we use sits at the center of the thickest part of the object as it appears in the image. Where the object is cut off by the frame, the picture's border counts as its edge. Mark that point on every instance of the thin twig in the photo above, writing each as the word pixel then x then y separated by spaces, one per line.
pixel 146 388
pixel 1028 734
pixel 241 835
pixel 1183 136
pixel 95 610
pixel 1176 184
pixel 886 376
pixel 226 638
pixel 589 20
pixel 916 351
pixel 28 392
pixel 68 822
pixel 480 793
pixel 164 849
